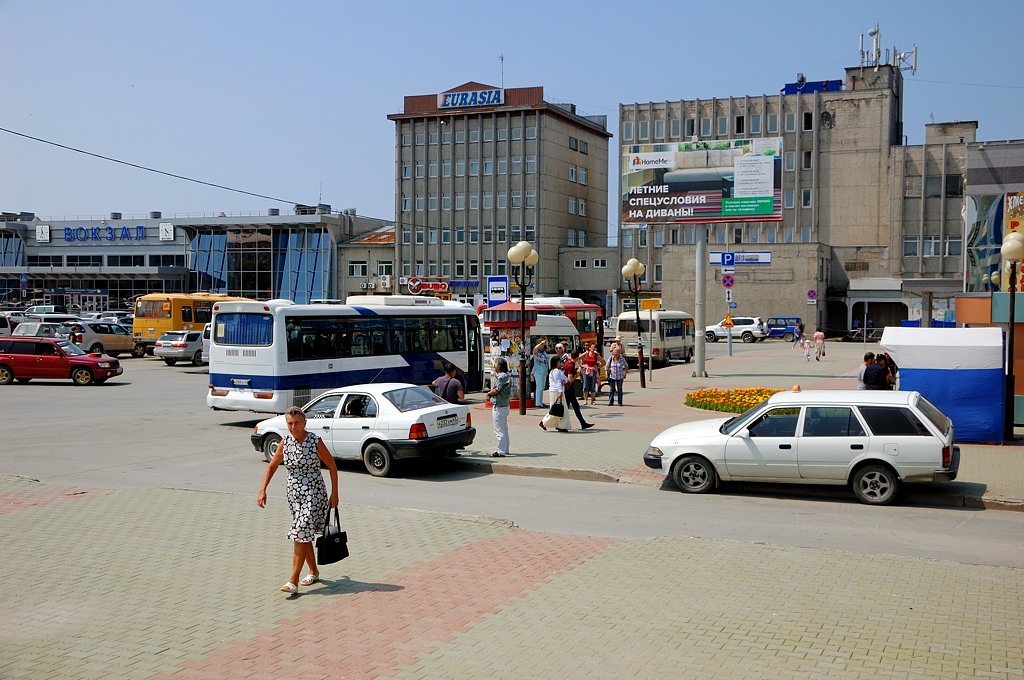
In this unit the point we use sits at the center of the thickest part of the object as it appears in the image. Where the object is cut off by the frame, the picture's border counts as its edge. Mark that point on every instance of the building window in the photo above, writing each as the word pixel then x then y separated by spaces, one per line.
pixel 97 260
pixel 627 131
pixel 531 165
pixel 572 172
pixel 446 269
pixel 930 246
pixel 953 246
pixel 690 235
pixel 420 269
pixel 673 236
pixel 474 168
pixel 581 176
pixel 531 198
pixel 503 135
pixel 705 126
pixel 420 200
pixel 771 233
pixel 954 185
pixel 474 234
pixel 583 146
pixel 531 132
pixel 601 264
pixel 517 134
pixel 433 237
pixel 644 129
pixel 488 267
pixel 420 139
pixel 406 170
pixel 502 200
pixel 446 235
pixel 502 234
pixel 805 198
pixel 488 167
pixel 432 202
pixel 446 167
pixel 515 234
pixel 433 169
pixel 581 207
pixel 407 203
pixel 773 123
pixel 790 122
pixel 420 235
pixel 627 238
pixel 737 234
pixel 579 264
pixel 460 235
pixel 407 140
pixel 689 127
pixel 659 237
pixel 488 233
pixel 446 137
pixel 570 238
pixel 385 268
pixel 657 273
pixel 406 236
pixel 446 201
pixel 581 238
pixel 788 198
pixel 754 233
pixel 432 138
pixel 641 238
pixel 787 234
pixel 474 270
pixel 806 160
pixel 488 200
pixel 502 165
pixel 789 161
pixel 912 186
pixel 674 128
pixel 659 129
pixel 572 205
pixel 516 201
pixel 517 165
pixel 501 268
pixel 808 120
pixel 531 233
pixel 460 137
pixel 755 123
pixel 460 201
pixel 460 269
pixel 419 169
pixel 460 168
pixel 805 234
pixel 740 125
pixel 488 135
pixel 723 126
pixel 474 201
pixel 572 143
pixel 474 136
pixel 407 269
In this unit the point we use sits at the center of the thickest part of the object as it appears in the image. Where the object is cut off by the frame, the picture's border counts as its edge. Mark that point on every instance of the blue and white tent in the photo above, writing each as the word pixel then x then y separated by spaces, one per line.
pixel 960 370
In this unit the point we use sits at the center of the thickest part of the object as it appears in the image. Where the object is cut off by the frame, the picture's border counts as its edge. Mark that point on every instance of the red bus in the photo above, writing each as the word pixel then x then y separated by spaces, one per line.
pixel 588 318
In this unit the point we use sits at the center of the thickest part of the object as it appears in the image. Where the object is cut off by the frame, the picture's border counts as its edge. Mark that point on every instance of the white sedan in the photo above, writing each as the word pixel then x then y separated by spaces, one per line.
pixel 870 440
pixel 379 424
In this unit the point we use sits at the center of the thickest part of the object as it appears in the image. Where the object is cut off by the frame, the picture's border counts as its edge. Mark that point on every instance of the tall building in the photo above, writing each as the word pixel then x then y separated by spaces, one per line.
pixel 827 213
pixel 480 168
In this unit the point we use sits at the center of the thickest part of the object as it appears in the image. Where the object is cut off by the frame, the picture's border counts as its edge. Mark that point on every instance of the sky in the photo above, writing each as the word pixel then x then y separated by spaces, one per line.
pixel 289 100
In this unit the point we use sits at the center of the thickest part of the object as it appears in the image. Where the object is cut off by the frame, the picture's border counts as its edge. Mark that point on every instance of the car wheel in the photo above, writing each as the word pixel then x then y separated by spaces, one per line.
pixel 748 337
pixel 149 351
pixel 197 358
pixel 270 443
pixel 711 337
pixel 82 376
pixel 876 485
pixel 694 474
pixel 788 337
pixel 139 351
pixel 378 460
pixel 96 348
pixel 23 380
pixel 6 375
pixel 169 361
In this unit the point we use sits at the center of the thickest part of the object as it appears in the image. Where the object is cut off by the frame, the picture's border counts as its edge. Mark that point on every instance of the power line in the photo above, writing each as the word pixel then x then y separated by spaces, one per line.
pixel 143 167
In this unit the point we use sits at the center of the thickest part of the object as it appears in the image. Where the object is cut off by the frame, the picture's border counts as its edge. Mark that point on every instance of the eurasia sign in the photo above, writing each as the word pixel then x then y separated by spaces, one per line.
pixel 417 286
pixel 738 180
pixel 457 100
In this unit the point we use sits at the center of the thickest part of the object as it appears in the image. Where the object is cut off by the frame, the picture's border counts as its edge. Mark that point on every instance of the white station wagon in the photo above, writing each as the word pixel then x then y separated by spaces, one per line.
pixel 872 441
pixel 378 424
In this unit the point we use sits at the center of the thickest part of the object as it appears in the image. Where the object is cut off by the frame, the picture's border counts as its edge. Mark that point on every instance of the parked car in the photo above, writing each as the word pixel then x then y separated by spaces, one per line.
pixel 14 316
pixel 785 327
pixel 26 358
pixel 53 318
pixel 36 329
pixel 46 309
pixel 747 328
pixel 206 343
pixel 97 337
pixel 378 424
pixel 6 325
pixel 872 441
pixel 175 346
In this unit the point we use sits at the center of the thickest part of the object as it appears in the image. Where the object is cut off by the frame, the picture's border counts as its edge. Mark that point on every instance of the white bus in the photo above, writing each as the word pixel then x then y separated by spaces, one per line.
pixel 667 335
pixel 267 356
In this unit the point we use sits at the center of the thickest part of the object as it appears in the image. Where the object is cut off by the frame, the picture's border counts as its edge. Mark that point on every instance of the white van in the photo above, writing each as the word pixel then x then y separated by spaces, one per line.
pixel 667 335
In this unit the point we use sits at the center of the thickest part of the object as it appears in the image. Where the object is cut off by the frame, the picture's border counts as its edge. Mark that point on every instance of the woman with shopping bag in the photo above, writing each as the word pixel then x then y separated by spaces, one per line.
pixel 557 417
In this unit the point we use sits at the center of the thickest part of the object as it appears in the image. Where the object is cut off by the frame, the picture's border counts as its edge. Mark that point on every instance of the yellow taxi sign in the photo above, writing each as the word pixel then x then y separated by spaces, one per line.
pixel 728 321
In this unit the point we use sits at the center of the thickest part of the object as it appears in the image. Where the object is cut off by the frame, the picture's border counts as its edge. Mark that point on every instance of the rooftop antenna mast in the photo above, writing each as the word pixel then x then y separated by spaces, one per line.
pixel 501 58
pixel 904 61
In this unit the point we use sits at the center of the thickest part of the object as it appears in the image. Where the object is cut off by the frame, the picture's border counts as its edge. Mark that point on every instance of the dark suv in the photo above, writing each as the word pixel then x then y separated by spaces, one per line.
pixel 785 327
pixel 25 358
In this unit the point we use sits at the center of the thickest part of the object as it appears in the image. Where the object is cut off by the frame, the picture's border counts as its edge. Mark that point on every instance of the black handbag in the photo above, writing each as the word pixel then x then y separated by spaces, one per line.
pixel 557 409
pixel 333 545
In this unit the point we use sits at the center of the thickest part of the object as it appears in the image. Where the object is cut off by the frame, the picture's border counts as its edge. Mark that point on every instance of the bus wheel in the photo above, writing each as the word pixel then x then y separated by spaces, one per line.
pixel 139 351
pixel 377 460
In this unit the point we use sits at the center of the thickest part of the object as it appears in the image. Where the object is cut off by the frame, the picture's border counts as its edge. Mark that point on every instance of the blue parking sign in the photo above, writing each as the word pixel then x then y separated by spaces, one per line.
pixel 728 259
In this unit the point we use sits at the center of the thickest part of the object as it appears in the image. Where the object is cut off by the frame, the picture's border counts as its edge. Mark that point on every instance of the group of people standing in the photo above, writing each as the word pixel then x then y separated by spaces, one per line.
pixel 878 372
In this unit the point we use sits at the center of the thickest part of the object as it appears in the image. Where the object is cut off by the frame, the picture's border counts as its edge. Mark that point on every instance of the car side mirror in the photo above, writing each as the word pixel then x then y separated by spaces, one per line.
pixel 743 433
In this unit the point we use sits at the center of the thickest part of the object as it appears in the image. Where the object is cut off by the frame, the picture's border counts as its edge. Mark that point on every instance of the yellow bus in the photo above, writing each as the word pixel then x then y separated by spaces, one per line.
pixel 157 313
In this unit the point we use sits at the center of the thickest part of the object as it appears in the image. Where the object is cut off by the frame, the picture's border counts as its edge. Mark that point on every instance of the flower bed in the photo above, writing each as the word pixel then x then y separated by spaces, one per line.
pixel 731 401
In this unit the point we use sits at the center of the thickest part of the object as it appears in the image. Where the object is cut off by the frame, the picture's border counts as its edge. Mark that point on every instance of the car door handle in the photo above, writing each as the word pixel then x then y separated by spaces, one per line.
pixel 366 427
pixel 785 446
pixel 325 428
pixel 856 447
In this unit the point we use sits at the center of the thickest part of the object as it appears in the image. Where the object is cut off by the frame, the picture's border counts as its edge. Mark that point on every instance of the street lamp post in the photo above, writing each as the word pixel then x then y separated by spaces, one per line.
pixel 632 271
pixel 523 258
pixel 1012 251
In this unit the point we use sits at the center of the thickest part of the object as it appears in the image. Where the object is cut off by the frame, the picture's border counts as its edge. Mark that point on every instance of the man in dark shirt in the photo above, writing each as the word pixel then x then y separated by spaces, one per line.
pixel 448 386
pixel 875 377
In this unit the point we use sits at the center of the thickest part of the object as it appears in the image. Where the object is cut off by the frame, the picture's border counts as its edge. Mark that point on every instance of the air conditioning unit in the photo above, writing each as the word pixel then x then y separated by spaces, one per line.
pixel 362 285
pixel 403 280
pixel 385 281
pixel 371 286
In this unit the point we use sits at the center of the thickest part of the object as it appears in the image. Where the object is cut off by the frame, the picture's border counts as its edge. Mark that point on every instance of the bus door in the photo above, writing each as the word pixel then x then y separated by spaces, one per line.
pixel 474 354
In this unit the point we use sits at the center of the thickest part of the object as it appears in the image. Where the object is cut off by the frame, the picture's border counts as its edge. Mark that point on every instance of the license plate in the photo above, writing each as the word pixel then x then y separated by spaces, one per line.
pixel 447 421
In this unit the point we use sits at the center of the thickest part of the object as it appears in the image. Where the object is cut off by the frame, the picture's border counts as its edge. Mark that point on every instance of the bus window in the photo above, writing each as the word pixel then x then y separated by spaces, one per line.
pixel 186 314
pixel 586 321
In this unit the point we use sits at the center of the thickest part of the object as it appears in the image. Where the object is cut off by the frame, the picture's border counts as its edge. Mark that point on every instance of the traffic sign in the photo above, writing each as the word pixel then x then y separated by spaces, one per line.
pixel 811 294
pixel 732 305
pixel 728 295
pixel 728 321
pixel 728 259
pixel 728 281
pixel 653 304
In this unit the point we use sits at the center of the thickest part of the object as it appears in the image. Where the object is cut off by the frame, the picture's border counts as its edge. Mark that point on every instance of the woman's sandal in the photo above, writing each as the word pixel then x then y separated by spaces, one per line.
pixel 310 579
pixel 290 588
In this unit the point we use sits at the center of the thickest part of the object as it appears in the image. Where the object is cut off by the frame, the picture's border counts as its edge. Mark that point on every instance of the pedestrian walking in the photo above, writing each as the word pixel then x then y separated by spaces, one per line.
pixel 618 367
pixel 807 349
pixel 501 396
pixel 591 364
pixel 556 388
pixel 798 341
pixel 541 361
pixel 301 453
pixel 571 368
pixel 819 344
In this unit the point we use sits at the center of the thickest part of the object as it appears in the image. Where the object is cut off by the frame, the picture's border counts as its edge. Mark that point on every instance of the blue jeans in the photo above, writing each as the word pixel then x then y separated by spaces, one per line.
pixel 542 384
pixel 614 386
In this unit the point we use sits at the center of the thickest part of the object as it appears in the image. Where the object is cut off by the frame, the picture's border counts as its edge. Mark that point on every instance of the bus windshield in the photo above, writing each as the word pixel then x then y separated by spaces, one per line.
pixel 246 330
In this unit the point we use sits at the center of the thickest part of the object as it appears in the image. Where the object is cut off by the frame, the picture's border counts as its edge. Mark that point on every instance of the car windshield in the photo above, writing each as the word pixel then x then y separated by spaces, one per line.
pixel 413 398
pixel 71 349
pixel 734 425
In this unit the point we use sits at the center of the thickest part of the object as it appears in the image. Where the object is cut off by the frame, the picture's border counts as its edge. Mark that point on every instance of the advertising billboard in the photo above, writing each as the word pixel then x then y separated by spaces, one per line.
pixel 734 180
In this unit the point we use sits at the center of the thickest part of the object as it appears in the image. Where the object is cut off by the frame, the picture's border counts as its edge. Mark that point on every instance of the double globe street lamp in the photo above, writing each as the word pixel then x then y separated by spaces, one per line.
pixel 1012 251
pixel 633 271
pixel 523 258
